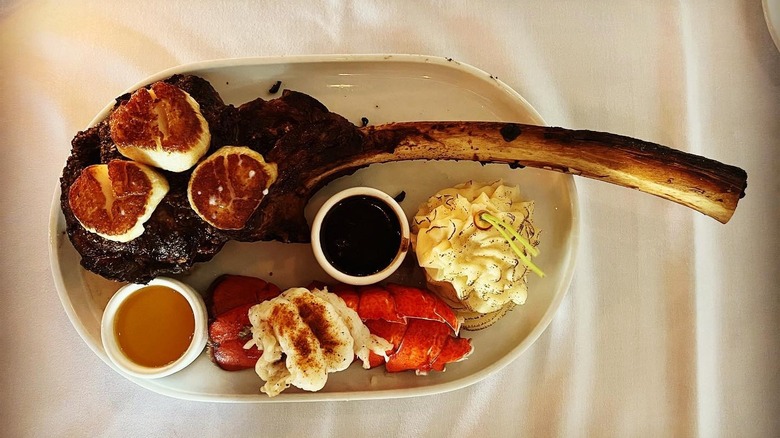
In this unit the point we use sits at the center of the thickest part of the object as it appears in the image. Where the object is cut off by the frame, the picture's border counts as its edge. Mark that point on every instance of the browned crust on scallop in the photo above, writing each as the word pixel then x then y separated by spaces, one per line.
pixel 313 147
pixel 131 187
pixel 134 122
pixel 227 187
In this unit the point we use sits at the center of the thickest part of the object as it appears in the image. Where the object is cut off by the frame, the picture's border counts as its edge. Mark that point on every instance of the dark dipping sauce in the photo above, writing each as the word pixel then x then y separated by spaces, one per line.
pixel 360 235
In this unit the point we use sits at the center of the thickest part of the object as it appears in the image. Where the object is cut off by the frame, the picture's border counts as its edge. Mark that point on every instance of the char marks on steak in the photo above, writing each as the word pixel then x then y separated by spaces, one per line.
pixel 175 237
pixel 312 146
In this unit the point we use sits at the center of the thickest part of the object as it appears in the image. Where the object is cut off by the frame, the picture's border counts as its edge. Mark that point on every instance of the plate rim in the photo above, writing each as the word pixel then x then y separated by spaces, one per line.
pixel 55 215
pixel 772 21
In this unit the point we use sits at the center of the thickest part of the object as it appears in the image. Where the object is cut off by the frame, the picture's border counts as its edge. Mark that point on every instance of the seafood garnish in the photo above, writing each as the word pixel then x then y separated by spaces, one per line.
pixel 305 335
pixel 421 329
pixel 229 299
pixel 313 146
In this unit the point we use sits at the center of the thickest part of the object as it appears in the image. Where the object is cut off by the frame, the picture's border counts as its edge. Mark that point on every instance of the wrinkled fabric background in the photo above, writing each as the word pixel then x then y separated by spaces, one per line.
pixel 670 326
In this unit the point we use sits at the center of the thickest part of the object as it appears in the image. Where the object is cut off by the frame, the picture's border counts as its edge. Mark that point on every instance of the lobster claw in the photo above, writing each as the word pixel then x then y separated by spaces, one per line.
pixel 418 303
pixel 229 300
pixel 392 332
pixel 378 303
pixel 421 345
pixel 228 334
pixel 230 291
pixel 422 328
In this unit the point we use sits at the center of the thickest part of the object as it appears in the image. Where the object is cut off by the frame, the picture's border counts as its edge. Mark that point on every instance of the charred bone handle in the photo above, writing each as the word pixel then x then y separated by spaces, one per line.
pixel 705 185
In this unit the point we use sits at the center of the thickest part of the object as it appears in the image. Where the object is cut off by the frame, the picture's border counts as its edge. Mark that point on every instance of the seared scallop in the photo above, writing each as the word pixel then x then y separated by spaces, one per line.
pixel 161 126
pixel 227 187
pixel 114 200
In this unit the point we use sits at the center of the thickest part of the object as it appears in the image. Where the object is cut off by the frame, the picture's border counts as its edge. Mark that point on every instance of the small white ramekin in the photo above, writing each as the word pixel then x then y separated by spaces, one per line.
pixel 317 245
pixel 122 362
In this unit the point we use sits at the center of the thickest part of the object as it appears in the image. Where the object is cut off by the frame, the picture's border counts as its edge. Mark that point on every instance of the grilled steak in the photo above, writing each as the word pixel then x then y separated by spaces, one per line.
pixel 312 146
pixel 175 237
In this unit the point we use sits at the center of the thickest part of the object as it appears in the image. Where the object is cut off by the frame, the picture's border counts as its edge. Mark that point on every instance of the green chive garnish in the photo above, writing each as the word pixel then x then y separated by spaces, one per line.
pixel 510 234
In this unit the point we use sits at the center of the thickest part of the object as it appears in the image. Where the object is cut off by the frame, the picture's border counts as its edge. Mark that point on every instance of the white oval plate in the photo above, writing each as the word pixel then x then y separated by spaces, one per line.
pixel 383 88
pixel 772 17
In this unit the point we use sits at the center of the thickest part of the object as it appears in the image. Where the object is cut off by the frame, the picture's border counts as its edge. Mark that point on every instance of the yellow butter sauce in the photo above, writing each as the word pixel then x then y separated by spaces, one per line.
pixel 154 326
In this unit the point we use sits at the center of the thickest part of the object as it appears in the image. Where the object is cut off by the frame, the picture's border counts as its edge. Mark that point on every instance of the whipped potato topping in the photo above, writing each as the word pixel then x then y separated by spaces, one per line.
pixel 304 336
pixel 467 262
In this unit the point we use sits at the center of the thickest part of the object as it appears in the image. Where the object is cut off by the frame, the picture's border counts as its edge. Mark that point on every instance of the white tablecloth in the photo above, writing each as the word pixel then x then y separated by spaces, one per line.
pixel 670 326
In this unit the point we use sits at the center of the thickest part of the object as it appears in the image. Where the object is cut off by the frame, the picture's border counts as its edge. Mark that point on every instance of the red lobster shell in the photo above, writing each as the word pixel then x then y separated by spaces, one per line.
pixel 421 327
pixel 229 300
